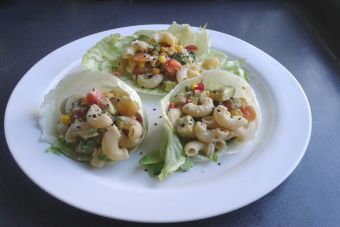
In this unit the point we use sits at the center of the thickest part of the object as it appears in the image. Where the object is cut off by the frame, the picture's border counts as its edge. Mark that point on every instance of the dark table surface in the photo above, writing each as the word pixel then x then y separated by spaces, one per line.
pixel 288 31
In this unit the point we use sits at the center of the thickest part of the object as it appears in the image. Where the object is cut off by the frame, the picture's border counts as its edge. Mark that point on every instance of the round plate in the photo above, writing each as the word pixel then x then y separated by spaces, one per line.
pixel 124 190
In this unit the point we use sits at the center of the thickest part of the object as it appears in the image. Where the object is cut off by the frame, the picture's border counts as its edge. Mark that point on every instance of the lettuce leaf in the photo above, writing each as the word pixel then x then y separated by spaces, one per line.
pixel 234 66
pixel 61 147
pixel 104 55
pixel 168 158
pixel 187 36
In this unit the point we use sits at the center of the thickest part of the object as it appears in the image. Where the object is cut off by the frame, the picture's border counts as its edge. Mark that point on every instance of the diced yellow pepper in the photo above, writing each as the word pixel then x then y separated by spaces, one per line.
pixel 179 48
pixel 193 86
pixel 65 119
pixel 234 112
pixel 155 71
pixel 162 59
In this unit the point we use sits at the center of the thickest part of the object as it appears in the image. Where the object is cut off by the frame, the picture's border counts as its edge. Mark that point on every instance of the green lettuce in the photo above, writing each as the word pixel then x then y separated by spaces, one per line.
pixel 168 158
pixel 234 66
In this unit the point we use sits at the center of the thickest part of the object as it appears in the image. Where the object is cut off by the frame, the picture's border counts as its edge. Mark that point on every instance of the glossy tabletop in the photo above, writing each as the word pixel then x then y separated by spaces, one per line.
pixel 29 30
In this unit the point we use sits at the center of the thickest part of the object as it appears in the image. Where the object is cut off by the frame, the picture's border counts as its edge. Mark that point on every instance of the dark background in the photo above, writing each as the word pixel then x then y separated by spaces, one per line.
pixel 303 36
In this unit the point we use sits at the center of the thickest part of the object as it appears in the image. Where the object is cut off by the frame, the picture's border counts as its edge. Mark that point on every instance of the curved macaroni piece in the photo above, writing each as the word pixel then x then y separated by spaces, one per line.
pixel 220 145
pixel 209 136
pixel 199 110
pixel 180 99
pixel 126 142
pixel 146 81
pixel 174 114
pixel 96 119
pixel 225 120
pixel 135 46
pixel 164 38
pixel 133 126
pixel 210 122
pixel 194 147
pixel 240 134
pixel 185 127
pixel 110 145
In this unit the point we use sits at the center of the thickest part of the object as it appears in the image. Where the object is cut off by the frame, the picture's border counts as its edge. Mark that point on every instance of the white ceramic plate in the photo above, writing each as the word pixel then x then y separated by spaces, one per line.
pixel 124 190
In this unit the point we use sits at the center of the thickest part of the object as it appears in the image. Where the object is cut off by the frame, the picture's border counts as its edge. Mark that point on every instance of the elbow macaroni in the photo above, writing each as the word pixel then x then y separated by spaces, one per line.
pixel 225 120
pixel 210 122
pixel 174 114
pixel 146 81
pixel 110 145
pixel 135 46
pixel 199 110
pixel 164 37
pixel 185 127
pixel 209 136
pixel 134 131
pixel 193 148
pixel 96 119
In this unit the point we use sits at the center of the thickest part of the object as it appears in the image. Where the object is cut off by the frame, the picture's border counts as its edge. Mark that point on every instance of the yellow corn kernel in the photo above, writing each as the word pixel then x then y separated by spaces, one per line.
pixel 234 112
pixel 162 59
pixel 193 86
pixel 211 63
pixel 192 73
pixel 65 119
pixel 155 71
pixel 179 48
pixel 141 65
pixel 164 49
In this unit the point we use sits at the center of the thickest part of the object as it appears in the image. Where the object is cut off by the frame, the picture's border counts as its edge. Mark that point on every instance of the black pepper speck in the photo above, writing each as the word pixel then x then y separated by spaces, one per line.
pixel 155 124
pixel 154 109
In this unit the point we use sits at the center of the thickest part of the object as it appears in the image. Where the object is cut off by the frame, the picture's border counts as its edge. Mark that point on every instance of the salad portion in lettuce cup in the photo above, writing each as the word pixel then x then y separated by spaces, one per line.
pixel 93 117
pixel 154 62
pixel 205 117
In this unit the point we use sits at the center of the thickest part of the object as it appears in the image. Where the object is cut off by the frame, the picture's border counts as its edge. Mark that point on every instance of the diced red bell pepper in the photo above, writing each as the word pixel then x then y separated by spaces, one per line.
pixel 139 118
pixel 172 66
pixel 199 87
pixel 228 104
pixel 172 105
pixel 191 48
pixel 95 97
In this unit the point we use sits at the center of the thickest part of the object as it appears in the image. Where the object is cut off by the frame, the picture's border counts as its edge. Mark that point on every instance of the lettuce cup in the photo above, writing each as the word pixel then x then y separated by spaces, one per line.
pixel 93 117
pixel 205 117
pixel 154 62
